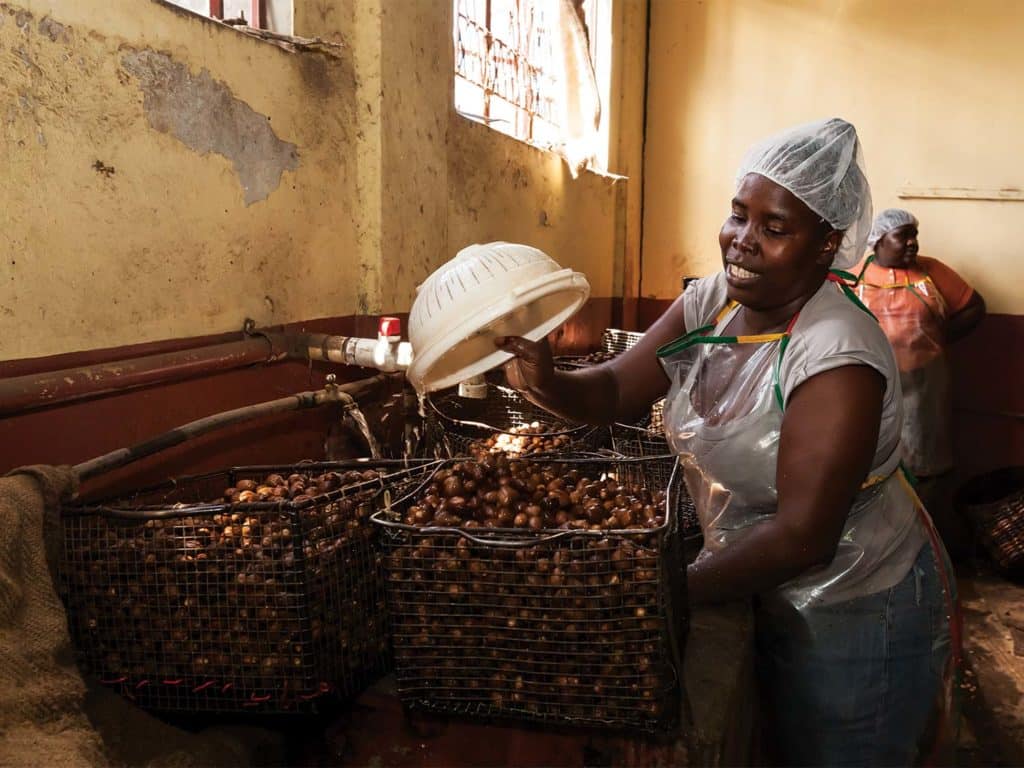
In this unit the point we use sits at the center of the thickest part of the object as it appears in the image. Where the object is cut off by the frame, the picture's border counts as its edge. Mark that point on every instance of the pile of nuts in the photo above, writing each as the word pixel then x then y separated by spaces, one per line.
pixel 599 356
pixel 498 493
pixel 525 440
pixel 566 628
pixel 246 597
pixel 297 488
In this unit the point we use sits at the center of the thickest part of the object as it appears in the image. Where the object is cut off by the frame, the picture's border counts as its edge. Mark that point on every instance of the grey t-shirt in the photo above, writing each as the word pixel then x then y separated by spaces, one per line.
pixel 831 332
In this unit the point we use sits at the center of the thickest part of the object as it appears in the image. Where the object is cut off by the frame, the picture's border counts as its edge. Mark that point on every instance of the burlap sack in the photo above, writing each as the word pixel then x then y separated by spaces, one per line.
pixel 41 691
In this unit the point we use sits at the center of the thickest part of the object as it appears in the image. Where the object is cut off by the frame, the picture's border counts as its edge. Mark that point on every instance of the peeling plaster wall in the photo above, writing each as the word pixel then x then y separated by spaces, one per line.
pixel 442 181
pixel 205 116
pixel 167 177
pixel 417 67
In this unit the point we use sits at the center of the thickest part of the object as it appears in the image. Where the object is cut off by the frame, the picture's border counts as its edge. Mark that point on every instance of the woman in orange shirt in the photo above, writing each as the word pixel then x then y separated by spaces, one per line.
pixel 922 305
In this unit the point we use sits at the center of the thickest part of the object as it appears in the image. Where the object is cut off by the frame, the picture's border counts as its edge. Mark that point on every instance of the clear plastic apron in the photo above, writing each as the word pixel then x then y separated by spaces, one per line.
pixel 723 418
pixel 913 315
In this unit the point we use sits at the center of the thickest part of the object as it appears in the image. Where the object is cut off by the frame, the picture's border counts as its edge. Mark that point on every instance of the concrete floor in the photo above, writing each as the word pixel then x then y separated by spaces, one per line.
pixel 375 731
pixel 992 687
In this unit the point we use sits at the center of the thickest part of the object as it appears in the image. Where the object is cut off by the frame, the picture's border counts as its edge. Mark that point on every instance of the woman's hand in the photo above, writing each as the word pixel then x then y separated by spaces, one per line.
pixel 533 367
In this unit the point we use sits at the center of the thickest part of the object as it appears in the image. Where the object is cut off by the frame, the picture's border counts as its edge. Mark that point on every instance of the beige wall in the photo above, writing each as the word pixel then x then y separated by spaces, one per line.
pixel 251 181
pixel 932 86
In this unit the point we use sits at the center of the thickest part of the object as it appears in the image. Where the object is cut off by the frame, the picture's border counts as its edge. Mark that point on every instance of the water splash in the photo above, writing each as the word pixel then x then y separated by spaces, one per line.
pixel 359 419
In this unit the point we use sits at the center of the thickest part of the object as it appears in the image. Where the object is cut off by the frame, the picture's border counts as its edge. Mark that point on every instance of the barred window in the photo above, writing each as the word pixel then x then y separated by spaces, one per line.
pixel 505 66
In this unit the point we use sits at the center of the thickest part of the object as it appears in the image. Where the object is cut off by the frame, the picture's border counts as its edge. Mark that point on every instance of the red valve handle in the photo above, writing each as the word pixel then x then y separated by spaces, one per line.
pixel 389 326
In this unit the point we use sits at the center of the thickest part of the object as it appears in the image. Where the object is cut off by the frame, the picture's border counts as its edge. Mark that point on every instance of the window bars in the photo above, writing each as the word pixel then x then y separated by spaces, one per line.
pixel 504 66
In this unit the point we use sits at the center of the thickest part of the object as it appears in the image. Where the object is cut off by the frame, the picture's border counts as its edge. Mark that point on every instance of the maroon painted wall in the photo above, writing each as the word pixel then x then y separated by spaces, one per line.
pixel 988 379
pixel 78 431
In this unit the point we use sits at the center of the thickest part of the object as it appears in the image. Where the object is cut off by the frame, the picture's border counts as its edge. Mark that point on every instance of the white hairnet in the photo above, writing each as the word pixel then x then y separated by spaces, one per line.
pixel 887 221
pixel 823 165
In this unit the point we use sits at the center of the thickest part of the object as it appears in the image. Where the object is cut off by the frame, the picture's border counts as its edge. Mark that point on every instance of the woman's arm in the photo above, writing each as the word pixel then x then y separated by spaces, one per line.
pixel 828 440
pixel 967 319
pixel 619 389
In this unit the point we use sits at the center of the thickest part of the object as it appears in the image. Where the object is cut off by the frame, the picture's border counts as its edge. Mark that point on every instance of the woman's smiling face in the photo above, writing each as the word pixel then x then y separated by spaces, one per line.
pixel 774 248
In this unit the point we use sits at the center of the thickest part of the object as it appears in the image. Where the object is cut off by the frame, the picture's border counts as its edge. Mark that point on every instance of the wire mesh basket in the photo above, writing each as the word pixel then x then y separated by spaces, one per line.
pixel 646 440
pixel 616 341
pixel 571 626
pixel 503 422
pixel 613 343
pixel 575 362
pixel 994 505
pixel 184 601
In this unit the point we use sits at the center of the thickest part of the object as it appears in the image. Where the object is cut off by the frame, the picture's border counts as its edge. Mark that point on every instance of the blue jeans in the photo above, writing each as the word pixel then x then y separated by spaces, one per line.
pixel 857 683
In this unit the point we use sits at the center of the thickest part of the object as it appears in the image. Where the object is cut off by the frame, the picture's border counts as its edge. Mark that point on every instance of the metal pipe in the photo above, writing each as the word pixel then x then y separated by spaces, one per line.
pixel 27 393
pixel 21 394
pixel 344 393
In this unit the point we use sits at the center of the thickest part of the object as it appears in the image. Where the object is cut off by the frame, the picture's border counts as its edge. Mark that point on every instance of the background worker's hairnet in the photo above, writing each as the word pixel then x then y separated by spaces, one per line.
pixel 823 165
pixel 887 221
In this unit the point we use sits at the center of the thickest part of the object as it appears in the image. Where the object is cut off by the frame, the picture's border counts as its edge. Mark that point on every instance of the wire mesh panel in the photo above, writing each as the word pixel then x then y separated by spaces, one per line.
pixel 577 622
pixel 641 442
pixel 647 440
pixel 503 422
pixel 615 341
pixel 994 505
pixel 575 362
pixel 264 596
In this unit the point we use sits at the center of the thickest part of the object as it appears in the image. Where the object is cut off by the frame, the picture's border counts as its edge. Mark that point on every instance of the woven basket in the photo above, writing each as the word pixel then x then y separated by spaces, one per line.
pixel 994 504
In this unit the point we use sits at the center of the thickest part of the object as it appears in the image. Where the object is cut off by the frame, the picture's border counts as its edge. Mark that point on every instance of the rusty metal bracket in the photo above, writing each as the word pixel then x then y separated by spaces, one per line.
pixel 249 330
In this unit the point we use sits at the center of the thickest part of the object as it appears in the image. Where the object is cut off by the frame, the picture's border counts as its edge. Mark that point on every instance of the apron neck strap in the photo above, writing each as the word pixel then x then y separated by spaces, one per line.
pixel 869 260
pixel 840 278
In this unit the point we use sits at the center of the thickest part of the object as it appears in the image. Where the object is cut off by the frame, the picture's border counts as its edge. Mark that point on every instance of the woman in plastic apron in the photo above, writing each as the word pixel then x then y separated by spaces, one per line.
pixel 784 407
pixel 851 655
pixel 922 305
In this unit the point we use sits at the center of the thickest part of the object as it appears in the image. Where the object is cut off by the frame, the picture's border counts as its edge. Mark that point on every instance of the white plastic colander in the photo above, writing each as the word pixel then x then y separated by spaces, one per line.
pixel 486 291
